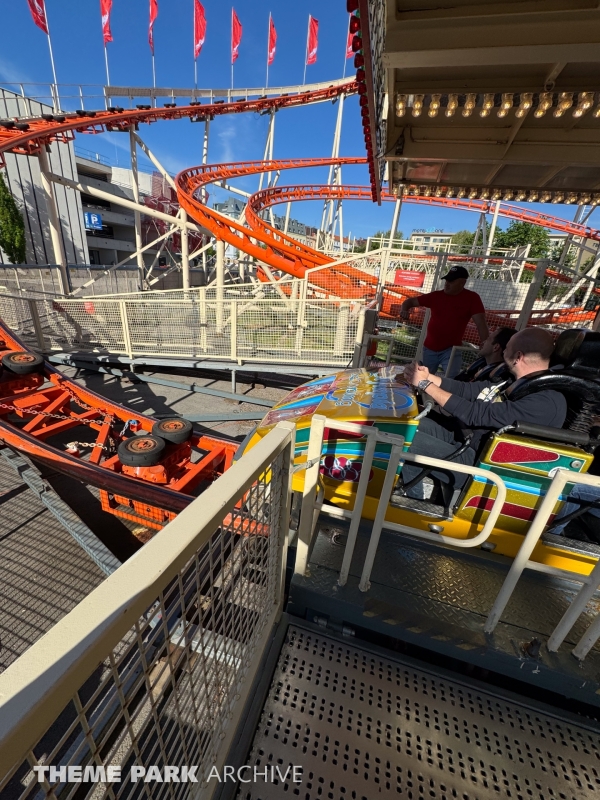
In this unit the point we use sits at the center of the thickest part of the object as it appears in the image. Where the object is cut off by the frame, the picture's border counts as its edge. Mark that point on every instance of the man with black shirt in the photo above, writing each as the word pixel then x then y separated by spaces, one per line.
pixel 527 352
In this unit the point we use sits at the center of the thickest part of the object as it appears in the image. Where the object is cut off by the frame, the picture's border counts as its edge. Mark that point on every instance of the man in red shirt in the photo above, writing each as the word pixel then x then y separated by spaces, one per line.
pixel 451 309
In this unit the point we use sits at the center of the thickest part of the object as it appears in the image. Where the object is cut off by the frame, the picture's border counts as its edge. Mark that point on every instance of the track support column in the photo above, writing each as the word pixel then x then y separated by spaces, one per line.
pixel 220 275
pixel 137 217
pixel 185 252
pixel 55 231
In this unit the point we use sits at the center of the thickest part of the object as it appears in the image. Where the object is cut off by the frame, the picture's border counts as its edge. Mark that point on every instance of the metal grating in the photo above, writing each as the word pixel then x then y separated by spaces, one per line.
pixel 362 726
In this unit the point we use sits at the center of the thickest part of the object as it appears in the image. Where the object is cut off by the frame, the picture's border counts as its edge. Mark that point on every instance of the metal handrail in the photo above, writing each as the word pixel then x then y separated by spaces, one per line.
pixel 373 435
pixel 522 559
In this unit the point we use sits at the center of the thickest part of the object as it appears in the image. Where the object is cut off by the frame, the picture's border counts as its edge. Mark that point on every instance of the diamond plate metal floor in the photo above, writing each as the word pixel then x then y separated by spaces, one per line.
pixel 362 726
pixel 438 598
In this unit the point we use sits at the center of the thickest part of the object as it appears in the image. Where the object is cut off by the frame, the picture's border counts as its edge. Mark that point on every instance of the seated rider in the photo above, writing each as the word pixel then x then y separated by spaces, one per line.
pixel 491 352
pixel 438 436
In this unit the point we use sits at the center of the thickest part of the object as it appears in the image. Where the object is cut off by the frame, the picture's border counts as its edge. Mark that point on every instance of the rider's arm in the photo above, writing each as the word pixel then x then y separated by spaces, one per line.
pixel 410 302
pixel 481 324
pixel 545 408
pixel 414 372
pixel 470 391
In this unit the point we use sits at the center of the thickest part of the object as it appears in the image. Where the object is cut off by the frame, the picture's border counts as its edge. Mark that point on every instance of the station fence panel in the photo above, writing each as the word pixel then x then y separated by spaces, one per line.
pixel 154 667
pixel 310 320
pixel 302 331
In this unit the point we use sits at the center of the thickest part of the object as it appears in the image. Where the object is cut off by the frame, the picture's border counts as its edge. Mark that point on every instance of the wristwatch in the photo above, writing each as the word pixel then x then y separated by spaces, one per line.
pixel 422 385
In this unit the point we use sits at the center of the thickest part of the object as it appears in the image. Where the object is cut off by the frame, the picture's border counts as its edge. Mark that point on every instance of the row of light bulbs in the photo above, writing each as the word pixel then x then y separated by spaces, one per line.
pixel 581 103
pixel 518 195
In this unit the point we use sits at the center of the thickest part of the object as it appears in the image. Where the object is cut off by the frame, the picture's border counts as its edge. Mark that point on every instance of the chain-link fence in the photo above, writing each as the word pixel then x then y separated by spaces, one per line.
pixel 154 667
pixel 516 292
pixel 33 280
pixel 315 320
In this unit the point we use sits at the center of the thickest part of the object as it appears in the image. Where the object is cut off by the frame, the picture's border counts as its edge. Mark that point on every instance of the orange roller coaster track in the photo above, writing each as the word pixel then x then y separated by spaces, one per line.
pixel 26 136
pixel 38 406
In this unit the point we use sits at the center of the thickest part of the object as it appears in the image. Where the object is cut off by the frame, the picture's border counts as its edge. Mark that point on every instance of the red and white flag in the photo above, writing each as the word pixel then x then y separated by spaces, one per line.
pixel 105 8
pixel 313 40
pixel 199 27
pixel 153 16
pixel 236 36
pixel 349 50
pixel 38 12
pixel 272 41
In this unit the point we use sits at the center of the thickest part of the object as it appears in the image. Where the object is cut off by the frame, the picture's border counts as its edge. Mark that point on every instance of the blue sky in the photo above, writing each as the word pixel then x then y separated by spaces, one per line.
pixel 304 132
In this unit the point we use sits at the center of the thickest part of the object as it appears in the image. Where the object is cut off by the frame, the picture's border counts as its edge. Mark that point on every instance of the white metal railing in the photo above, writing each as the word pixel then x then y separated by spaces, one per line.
pixel 313 503
pixel 312 500
pixel 523 561
pixel 155 666
pixel 67 96
pixel 456 350
pixel 247 329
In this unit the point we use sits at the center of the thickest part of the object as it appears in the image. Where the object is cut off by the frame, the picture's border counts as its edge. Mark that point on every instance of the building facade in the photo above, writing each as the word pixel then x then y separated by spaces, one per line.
pixel 22 176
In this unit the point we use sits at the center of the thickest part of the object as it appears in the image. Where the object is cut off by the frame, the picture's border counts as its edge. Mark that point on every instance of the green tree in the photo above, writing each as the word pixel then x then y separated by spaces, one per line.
pixel 378 239
pixel 556 253
pixel 12 229
pixel 463 241
pixel 519 234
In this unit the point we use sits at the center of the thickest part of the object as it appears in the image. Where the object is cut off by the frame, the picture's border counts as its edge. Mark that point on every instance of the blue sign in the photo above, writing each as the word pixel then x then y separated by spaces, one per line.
pixel 93 222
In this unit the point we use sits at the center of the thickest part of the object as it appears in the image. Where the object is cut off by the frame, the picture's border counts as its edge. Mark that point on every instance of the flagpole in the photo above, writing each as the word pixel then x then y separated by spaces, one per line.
pixel 268 43
pixel 346 50
pixel 195 73
pixel 153 71
pixel 306 54
pixel 106 63
pixel 55 102
pixel 232 47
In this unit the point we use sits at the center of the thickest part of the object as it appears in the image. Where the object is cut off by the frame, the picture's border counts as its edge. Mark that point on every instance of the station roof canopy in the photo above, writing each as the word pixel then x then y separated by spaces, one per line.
pixel 482 98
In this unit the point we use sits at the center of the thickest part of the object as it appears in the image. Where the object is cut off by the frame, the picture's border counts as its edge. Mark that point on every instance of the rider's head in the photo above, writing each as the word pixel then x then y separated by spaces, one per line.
pixel 528 351
pixel 494 346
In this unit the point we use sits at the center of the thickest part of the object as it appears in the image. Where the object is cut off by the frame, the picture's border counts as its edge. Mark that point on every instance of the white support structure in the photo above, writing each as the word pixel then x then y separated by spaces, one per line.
pixel 55 231
pixel 332 209
pixel 268 152
pixel 481 229
pixel 532 293
pixel 82 186
pixel 185 253
pixel 154 160
pixel 288 211
pixel 220 275
pixel 137 217
pixel 490 243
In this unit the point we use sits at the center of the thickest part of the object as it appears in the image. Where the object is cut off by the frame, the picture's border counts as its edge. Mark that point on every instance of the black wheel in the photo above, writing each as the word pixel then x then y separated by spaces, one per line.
pixel 141 451
pixel 23 363
pixel 174 429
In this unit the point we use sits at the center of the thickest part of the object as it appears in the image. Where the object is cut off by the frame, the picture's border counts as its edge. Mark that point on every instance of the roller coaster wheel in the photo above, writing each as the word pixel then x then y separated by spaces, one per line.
pixel 23 363
pixel 141 451
pixel 174 429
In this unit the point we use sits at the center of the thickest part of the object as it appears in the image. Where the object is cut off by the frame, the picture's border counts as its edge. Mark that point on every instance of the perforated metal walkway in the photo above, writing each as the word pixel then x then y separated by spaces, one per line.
pixel 364 727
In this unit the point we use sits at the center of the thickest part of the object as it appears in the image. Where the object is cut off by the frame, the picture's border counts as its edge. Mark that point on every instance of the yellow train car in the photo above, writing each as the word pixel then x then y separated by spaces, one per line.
pixel 382 398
